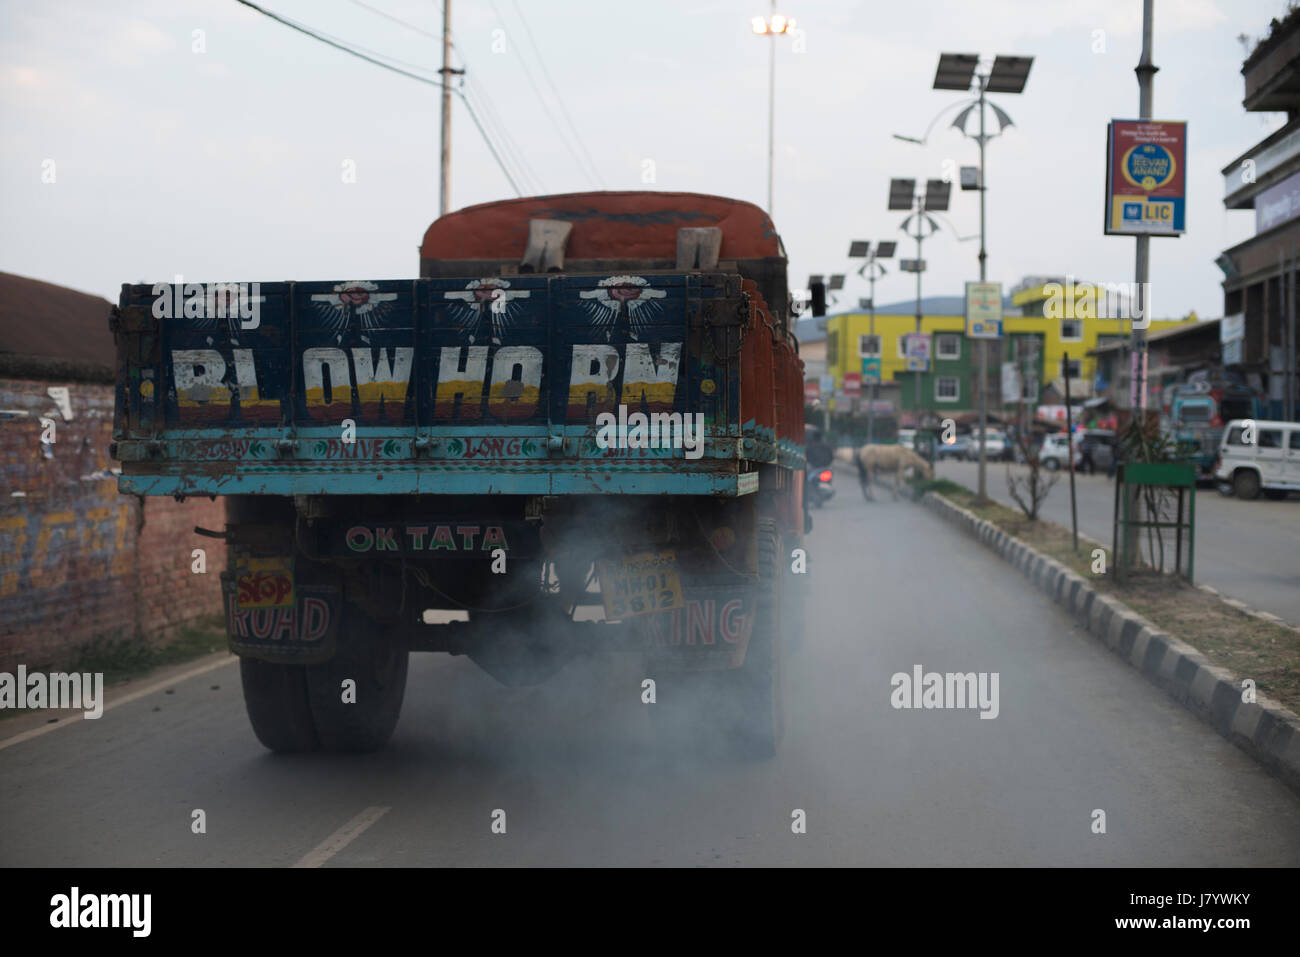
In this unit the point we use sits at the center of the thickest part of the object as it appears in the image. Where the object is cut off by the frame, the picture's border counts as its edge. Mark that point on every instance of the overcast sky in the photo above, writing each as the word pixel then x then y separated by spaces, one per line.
pixel 229 164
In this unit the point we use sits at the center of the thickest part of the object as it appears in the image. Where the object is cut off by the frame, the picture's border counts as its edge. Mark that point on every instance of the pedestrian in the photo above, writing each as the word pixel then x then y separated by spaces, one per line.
pixel 1085 448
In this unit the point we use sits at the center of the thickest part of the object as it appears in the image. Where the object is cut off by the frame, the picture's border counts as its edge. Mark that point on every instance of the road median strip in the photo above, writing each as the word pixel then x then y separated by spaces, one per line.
pixel 1264 728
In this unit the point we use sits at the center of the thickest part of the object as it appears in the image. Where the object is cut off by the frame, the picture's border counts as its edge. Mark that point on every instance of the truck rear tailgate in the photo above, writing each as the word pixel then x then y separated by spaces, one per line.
pixel 449 386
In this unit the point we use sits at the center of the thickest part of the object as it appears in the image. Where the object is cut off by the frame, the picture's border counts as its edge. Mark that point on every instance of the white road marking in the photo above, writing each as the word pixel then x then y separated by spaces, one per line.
pixel 341 838
pixel 125 699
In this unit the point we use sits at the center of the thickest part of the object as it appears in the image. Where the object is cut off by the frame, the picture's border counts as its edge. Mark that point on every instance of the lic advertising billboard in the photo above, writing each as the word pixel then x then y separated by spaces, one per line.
pixel 1146 177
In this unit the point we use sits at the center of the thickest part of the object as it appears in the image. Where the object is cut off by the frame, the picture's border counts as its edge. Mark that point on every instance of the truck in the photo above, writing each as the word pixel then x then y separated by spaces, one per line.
pixel 578 431
pixel 1194 413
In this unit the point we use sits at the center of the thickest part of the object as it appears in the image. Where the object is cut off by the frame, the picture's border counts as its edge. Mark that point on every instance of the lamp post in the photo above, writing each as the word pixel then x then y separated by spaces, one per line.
pixel 774 26
pixel 1008 74
pixel 903 196
pixel 873 270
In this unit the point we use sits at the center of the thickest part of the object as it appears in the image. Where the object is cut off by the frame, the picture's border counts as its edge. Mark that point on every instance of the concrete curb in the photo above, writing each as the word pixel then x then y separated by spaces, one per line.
pixel 1264 729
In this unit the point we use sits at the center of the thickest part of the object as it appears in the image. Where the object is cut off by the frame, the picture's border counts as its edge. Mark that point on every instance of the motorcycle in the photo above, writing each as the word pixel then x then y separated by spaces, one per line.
pixel 819 487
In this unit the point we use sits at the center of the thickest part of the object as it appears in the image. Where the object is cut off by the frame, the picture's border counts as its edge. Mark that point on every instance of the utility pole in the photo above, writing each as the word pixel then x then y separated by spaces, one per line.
pixel 1146 72
pixel 983 343
pixel 444 177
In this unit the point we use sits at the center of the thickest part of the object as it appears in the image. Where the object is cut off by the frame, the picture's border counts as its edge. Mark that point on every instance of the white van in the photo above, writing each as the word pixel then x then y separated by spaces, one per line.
pixel 1270 462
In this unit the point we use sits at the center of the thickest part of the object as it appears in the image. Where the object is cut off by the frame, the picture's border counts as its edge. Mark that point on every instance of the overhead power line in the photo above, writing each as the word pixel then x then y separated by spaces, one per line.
pixel 491 117
pixel 388 66
pixel 556 125
pixel 554 89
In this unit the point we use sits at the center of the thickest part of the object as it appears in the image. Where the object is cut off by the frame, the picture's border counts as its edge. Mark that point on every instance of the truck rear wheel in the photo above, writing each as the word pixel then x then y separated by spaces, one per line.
pixel 749 697
pixel 359 717
pixel 296 708
pixel 275 697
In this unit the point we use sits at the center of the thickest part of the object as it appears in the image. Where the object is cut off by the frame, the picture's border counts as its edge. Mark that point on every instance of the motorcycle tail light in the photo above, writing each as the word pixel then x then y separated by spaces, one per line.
pixel 825 475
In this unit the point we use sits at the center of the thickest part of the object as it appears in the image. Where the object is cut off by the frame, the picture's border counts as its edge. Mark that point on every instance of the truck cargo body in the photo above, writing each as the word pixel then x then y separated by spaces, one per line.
pixel 579 430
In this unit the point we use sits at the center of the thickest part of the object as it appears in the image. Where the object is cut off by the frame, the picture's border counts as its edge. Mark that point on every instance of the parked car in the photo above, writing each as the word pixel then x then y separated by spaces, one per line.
pixel 1270 463
pixel 1052 453
pixel 996 445
pixel 958 448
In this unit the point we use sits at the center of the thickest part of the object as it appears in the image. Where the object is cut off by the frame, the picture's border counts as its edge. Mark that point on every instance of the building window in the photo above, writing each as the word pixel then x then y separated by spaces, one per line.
pixel 869 347
pixel 832 347
pixel 1074 368
pixel 948 347
pixel 945 388
pixel 1071 330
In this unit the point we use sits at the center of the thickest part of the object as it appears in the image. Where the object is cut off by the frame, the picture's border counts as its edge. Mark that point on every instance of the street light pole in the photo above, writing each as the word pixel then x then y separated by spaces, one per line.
pixel 771 114
pixel 920 238
pixel 1008 74
pixel 983 343
pixel 871 401
pixel 1145 71
pixel 771 27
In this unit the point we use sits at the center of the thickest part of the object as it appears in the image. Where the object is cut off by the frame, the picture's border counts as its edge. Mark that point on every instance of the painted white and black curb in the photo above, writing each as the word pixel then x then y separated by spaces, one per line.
pixel 1265 729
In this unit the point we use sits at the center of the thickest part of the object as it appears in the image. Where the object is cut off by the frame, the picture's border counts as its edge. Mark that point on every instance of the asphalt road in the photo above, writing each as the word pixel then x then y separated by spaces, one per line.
pixel 1248 550
pixel 584 778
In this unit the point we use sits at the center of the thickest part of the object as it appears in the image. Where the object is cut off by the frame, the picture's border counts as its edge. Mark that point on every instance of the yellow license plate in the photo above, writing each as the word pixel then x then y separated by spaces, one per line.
pixel 640 584
pixel 264 583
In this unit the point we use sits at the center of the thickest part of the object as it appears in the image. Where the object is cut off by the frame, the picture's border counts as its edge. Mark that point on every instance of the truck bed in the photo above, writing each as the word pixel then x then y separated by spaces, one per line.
pixel 450 386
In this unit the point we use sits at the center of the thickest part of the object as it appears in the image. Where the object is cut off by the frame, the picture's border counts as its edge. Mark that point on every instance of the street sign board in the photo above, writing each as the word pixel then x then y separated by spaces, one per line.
pixel 827 382
pixel 917 365
pixel 1146 177
pixel 852 383
pixel 1010 383
pixel 916 345
pixel 984 310
pixel 912 265
pixel 812 391
pixel 1232 333
pixel 870 371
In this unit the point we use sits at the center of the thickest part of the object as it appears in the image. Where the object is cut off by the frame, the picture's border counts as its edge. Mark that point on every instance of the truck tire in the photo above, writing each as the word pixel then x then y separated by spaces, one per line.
pixel 368 655
pixel 1245 484
pixel 275 697
pixel 750 696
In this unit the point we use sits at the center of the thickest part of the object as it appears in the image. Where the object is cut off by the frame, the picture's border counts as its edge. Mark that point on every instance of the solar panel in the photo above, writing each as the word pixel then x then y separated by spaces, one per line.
pixel 858 249
pixel 936 195
pixel 901 193
pixel 1009 74
pixel 955 71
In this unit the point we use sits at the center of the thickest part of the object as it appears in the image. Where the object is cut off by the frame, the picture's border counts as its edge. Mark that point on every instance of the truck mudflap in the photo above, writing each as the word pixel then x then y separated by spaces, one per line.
pixel 275 612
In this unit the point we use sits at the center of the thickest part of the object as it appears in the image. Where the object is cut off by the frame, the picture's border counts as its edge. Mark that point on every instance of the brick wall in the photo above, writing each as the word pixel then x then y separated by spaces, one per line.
pixel 78 561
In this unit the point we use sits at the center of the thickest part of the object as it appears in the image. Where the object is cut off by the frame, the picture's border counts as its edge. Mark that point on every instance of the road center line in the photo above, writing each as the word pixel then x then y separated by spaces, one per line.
pixel 125 699
pixel 341 838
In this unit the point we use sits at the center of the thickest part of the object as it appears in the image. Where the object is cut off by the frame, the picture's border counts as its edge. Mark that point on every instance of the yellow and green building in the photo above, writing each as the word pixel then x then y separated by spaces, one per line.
pixel 1046 322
